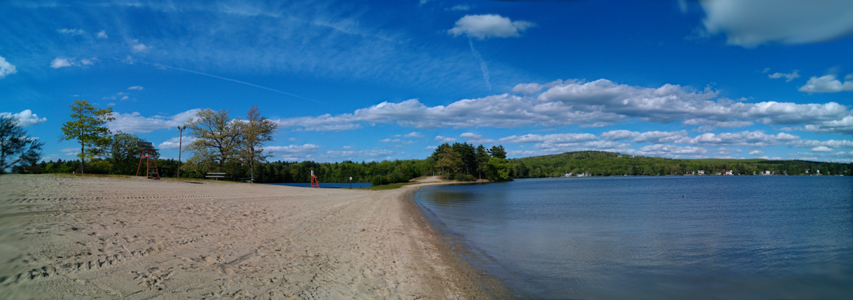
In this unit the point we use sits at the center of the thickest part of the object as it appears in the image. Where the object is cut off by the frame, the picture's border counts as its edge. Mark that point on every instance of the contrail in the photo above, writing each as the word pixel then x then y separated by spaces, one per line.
pixel 483 66
pixel 232 80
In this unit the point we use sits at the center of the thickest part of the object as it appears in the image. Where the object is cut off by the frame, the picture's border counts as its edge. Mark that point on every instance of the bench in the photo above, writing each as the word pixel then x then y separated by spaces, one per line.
pixel 215 175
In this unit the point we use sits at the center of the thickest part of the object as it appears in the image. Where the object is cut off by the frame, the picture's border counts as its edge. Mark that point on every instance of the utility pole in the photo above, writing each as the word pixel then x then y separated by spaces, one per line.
pixel 180 144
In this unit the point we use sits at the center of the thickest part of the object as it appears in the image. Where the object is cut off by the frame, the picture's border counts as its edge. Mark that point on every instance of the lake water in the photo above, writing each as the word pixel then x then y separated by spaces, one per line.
pixel 708 237
pixel 330 185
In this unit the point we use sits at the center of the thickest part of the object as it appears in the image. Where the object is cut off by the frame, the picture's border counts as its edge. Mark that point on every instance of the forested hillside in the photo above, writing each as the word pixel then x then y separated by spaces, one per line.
pixel 597 163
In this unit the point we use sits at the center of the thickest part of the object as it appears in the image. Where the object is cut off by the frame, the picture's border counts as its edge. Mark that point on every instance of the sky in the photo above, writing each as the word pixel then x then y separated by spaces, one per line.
pixel 385 80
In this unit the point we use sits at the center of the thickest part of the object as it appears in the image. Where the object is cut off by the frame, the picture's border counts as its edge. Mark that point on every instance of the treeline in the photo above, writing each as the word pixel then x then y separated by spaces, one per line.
pixel 598 163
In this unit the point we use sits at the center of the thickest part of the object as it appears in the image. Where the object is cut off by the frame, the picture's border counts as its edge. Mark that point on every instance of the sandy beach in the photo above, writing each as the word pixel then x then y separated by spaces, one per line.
pixel 72 237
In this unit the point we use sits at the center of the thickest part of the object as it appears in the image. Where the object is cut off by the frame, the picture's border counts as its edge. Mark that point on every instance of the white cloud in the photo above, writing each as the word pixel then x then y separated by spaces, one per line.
pixel 136 87
pixel 293 152
pixel 6 68
pixel 71 31
pixel 486 26
pixel 756 152
pixel 755 22
pixel 399 141
pixel 413 134
pixel 102 34
pixel 788 76
pixel 431 147
pixel 135 123
pixel 821 149
pixel 532 88
pixel 60 63
pixel 745 138
pixel 25 118
pixel 354 154
pixel 616 135
pixel 293 139
pixel 136 47
pixel 176 142
pixel 670 150
pixel 827 84
pixel 443 139
pixel 658 137
pixel 460 7
pixel 470 136
pixel 591 104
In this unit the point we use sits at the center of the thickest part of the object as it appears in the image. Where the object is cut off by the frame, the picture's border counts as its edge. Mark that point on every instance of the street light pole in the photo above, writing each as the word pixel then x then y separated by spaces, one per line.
pixel 180 144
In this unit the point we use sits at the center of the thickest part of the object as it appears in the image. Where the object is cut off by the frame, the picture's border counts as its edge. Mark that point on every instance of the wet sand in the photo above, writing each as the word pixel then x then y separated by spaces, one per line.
pixel 65 236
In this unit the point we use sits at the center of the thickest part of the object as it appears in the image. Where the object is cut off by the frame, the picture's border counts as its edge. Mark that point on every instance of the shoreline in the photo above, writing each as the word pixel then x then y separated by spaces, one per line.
pixel 129 237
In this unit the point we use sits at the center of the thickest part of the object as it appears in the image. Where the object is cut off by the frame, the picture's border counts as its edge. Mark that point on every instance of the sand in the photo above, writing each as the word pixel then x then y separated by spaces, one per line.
pixel 73 237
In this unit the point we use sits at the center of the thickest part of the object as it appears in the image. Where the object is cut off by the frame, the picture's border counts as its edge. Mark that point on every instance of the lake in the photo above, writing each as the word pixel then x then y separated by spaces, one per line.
pixel 699 237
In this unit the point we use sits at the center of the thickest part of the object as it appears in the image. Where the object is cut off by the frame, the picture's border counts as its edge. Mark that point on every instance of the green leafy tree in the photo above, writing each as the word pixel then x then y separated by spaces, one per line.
pixel 87 127
pixel 482 157
pixel 497 169
pixel 256 130
pixel 498 152
pixel 124 153
pixel 15 146
pixel 449 162
pixel 217 138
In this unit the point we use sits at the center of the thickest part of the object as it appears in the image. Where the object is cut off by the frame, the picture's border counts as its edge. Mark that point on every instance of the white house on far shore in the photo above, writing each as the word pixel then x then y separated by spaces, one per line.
pixel 728 172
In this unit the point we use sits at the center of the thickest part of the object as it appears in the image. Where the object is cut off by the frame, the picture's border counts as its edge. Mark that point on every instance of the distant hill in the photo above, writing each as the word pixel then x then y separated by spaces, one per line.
pixel 600 163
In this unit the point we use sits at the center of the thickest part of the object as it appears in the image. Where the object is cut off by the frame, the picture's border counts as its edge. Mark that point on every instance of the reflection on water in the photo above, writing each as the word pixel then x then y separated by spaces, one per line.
pixel 653 238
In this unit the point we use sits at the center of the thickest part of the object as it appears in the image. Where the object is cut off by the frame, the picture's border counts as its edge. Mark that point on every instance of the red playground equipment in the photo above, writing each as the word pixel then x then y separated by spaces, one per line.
pixel 148 152
pixel 314 182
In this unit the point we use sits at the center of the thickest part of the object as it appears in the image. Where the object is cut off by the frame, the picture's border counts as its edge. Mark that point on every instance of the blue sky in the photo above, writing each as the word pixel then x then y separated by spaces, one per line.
pixel 377 80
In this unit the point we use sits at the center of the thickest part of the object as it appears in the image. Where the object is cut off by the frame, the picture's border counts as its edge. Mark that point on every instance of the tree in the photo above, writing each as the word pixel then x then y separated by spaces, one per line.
pixel 450 161
pixel 497 169
pixel 217 137
pixel 15 146
pixel 482 157
pixel 124 152
pixel 87 127
pixel 468 155
pixel 256 130
pixel 498 151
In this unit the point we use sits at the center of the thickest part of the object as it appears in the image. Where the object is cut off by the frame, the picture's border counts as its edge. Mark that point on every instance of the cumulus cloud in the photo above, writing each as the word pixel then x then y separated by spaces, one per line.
pixel 470 136
pixel 60 63
pixel 102 34
pixel 487 26
pixel 136 46
pixel 460 7
pixel 827 84
pixel 71 31
pixel 821 149
pixel 756 22
pixel 788 76
pixel 25 118
pixel 756 152
pixel 353 154
pixel 532 88
pixel 136 123
pixel 590 104
pixel 745 138
pixel 443 139
pixel 399 141
pixel 670 150
pixel 177 142
pixel 414 134
pixel 136 87
pixel 6 68
pixel 293 152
